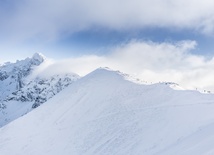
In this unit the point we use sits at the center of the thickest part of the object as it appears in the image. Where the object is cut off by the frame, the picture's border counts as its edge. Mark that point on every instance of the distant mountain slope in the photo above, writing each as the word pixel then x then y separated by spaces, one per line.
pixel 104 114
pixel 18 96
pixel 12 74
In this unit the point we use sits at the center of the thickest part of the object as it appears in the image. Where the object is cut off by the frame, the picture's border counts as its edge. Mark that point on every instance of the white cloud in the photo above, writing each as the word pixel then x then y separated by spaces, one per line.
pixel 150 61
pixel 49 19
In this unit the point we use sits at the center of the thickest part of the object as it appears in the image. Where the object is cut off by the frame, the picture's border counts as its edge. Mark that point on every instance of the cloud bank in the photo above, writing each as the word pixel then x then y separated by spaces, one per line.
pixel 149 61
pixel 52 19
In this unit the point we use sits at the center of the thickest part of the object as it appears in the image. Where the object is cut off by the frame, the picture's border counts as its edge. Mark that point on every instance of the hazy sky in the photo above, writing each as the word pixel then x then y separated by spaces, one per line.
pixel 168 39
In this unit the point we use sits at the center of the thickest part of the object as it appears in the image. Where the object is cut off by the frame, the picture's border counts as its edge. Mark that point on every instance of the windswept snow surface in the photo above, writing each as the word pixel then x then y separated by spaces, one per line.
pixel 104 114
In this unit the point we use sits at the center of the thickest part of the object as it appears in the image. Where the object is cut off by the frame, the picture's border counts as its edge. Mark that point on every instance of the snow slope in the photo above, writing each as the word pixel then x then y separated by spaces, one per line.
pixel 104 114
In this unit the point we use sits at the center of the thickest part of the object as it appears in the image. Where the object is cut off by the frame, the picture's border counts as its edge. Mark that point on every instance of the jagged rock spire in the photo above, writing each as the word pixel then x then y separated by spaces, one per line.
pixel 37 58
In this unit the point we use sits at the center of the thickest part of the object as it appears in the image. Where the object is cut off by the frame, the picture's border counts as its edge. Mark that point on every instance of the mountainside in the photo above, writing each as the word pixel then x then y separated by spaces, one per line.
pixel 104 114
pixel 12 74
pixel 18 96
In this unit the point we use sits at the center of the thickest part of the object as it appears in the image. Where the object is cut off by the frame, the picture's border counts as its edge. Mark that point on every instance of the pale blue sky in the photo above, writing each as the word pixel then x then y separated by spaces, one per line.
pixel 155 40
pixel 71 28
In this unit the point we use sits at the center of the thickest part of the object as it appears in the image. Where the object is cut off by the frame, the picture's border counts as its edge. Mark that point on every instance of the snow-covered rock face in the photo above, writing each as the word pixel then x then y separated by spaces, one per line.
pixel 40 90
pixel 12 74
pixel 37 59
pixel 17 92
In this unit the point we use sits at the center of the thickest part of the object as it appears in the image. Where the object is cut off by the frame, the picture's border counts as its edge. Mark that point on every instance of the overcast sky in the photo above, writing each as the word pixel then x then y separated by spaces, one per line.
pixel 158 40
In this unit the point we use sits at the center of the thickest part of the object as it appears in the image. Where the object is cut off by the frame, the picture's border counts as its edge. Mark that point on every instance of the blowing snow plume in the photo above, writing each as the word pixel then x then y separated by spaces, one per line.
pixel 149 61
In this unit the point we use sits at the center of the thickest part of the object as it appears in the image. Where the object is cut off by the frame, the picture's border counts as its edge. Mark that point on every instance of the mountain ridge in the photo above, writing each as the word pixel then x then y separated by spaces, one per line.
pixel 103 113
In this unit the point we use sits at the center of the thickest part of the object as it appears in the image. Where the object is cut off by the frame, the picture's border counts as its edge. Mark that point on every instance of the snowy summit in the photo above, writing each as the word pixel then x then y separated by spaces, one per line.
pixel 38 58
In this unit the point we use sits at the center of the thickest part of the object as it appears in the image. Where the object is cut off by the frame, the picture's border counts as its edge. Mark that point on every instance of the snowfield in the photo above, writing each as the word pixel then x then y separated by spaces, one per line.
pixel 105 114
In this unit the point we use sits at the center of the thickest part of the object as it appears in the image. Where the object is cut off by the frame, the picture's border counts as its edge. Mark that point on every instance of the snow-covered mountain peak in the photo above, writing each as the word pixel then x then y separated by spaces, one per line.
pixel 106 71
pixel 19 89
pixel 25 64
pixel 103 70
pixel 103 73
pixel 12 74
pixel 38 58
